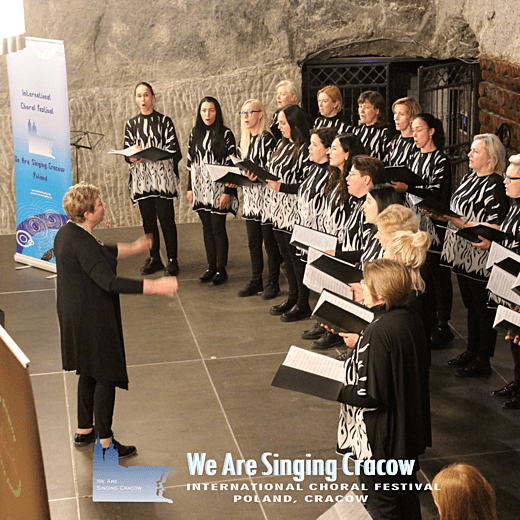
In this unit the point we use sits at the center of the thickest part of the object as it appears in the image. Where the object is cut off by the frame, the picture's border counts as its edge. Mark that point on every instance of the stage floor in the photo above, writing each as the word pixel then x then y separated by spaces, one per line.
pixel 200 367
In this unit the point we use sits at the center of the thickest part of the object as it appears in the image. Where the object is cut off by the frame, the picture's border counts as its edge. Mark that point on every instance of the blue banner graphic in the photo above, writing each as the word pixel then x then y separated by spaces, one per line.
pixel 41 141
pixel 114 483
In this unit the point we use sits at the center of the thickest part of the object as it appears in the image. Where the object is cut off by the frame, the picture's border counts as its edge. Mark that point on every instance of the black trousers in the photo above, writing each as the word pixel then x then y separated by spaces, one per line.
pixel 515 350
pixel 96 400
pixel 157 207
pixel 294 269
pixel 215 239
pixel 481 335
pixel 258 234
pixel 385 503
pixel 441 278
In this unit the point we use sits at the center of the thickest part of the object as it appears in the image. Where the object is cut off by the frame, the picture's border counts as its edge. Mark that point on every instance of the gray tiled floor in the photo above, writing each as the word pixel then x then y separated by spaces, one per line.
pixel 200 369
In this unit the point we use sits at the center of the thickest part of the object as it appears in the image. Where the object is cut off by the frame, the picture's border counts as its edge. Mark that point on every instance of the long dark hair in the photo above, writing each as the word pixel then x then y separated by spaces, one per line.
pixel 352 145
pixel 385 195
pixel 144 84
pixel 300 126
pixel 216 130
pixel 431 121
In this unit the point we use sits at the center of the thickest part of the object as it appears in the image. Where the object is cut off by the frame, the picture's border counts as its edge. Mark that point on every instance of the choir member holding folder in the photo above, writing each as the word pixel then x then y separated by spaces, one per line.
pixel 290 163
pixel 287 93
pixel 329 104
pixel 211 143
pixel 385 412
pixel 511 225
pixel 154 184
pixel 480 198
pixel 402 144
pixel 257 144
pixel 372 130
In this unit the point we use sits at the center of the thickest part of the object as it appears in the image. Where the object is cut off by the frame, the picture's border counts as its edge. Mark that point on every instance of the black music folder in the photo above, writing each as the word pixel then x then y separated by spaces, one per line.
pixel 310 373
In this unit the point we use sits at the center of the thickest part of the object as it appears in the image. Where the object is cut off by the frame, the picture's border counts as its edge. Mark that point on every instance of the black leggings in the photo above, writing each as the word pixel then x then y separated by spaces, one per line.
pixel 258 233
pixel 294 270
pixel 215 239
pixel 154 207
pixel 96 399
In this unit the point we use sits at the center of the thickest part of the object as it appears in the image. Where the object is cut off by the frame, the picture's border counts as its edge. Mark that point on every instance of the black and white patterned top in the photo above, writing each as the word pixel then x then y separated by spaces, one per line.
pixel 338 122
pixel 206 192
pixel 274 126
pixel 511 225
pixel 153 178
pixel 335 215
pixel 312 200
pixel 357 230
pixel 435 168
pixel 260 150
pixel 374 139
pixel 372 247
pixel 398 149
pixel 478 199
pixel 292 171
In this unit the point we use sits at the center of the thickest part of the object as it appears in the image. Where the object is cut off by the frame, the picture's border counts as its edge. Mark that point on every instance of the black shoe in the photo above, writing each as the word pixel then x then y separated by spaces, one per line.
pixel 252 288
pixel 152 265
pixel 278 310
pixel 84 439
pixel 207 276
pixel 328 340
pixel 512 404
pixel 507 390
pixel 123 451
pixel 219 278
pixel 475 369
pixel 345 355
pixel 441 336
pixel 315 333
pixel 172 269
pixel 297 313
pixel 271 291
pixel 461 360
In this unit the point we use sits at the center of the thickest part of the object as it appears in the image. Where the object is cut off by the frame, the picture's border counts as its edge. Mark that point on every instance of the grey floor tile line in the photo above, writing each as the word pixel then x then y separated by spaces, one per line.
pixel 73 460
pixel 26 292
pixel 224 414
pixel 468 455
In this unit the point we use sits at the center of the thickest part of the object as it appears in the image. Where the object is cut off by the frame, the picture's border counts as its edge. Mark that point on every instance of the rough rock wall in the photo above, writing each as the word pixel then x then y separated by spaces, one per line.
pixel 232 50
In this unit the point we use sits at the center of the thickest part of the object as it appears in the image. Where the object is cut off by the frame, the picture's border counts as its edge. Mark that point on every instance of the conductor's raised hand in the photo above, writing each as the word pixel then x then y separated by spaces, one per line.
pixel 165 286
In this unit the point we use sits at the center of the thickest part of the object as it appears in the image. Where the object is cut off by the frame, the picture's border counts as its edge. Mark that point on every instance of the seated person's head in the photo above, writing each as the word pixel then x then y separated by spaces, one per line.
pixel 461 492
pixel 387 282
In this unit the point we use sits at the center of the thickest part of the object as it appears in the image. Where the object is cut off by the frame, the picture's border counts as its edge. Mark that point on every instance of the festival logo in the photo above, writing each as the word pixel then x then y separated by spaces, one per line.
pixel 115 483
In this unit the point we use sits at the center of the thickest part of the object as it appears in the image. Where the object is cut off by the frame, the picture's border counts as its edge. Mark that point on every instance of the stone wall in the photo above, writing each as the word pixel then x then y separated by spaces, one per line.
pixel 232 50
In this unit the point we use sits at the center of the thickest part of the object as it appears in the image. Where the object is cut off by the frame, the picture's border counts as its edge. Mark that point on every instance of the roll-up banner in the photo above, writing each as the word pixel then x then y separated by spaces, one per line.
pixel 23 492
pixel 41 141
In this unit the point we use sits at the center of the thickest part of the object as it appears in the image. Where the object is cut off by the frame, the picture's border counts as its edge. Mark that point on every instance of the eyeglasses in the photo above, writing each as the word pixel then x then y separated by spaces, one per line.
pixel 249 112
pixel 354 174
pixel 511 179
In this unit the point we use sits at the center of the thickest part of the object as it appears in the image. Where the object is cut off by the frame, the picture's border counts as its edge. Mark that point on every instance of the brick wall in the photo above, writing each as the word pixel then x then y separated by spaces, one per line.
pixel 500 99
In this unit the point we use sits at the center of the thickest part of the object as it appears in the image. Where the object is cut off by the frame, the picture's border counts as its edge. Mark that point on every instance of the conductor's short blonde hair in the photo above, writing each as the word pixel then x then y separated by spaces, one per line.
pixel 79 199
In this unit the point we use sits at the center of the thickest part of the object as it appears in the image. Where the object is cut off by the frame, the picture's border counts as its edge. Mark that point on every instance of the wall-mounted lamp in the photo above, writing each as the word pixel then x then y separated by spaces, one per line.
pixel 12 27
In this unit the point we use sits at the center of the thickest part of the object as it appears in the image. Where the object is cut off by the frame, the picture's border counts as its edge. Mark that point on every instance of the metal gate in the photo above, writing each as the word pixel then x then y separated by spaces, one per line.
pixel 450 92
pixel 351 76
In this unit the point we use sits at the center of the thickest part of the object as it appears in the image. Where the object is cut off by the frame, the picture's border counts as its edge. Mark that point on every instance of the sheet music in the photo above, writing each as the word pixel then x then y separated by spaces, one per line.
pixel 127 152
pixel 415 199
pixel 313 363
pixel 509 315
pixel 313 238
pixel 364 313
pixel 497 253
pixel 216 171
pixel 317 280
pixel 500 283
pixel 350 508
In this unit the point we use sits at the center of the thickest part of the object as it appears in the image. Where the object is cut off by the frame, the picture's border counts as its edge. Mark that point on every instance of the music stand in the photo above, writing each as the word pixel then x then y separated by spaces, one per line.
pixel 81 139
